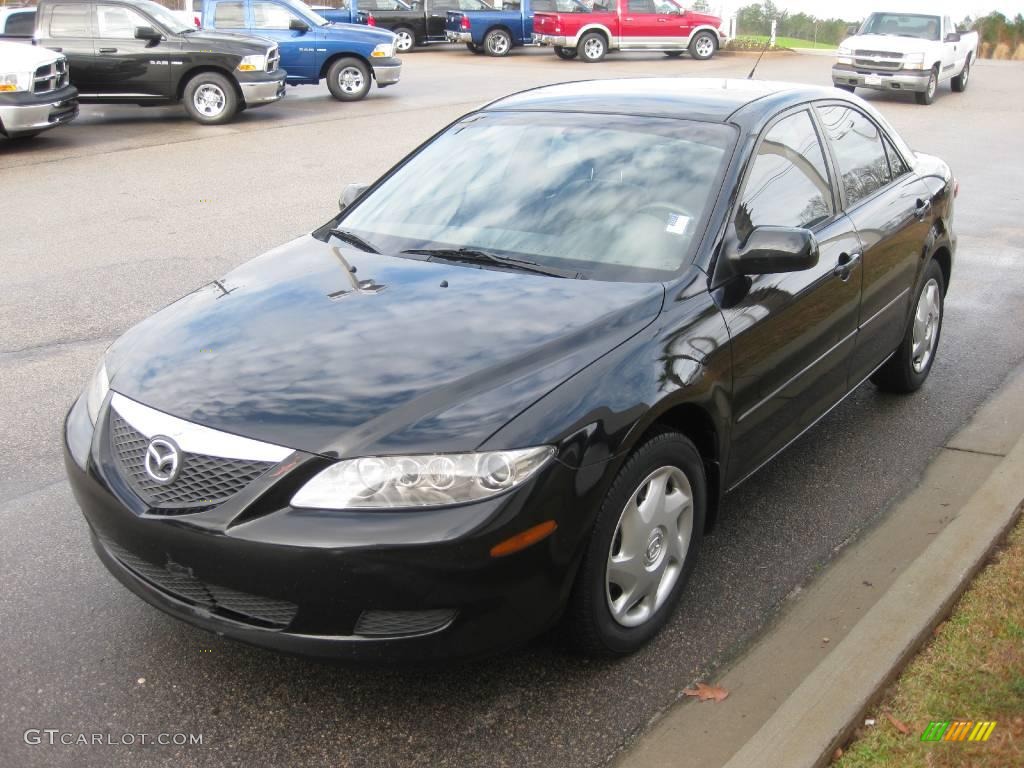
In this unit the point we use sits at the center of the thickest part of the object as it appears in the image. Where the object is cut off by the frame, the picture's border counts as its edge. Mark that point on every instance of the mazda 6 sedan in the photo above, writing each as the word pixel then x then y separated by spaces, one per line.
pixel 507 386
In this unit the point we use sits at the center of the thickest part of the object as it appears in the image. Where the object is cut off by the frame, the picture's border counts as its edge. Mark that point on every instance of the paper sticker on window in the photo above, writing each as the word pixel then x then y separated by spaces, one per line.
pixel 677 223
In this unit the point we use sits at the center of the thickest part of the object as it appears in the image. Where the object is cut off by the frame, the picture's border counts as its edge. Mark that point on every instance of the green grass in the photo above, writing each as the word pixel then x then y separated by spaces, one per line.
pixel 788 42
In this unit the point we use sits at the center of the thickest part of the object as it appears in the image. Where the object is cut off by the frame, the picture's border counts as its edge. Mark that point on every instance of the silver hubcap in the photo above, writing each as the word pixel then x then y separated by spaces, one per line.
pixel 350 80
pixel 209 99
pixel 649 546
pixel 966 74
pixel 593 48
pixel 404 40
pixel 704 46
pixel 926 326
pixel 498 43
pixel 932 84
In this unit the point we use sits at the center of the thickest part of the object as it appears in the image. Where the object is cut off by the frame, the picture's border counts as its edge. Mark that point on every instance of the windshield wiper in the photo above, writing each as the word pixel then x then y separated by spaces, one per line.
pixel 476 256
pixel 353 239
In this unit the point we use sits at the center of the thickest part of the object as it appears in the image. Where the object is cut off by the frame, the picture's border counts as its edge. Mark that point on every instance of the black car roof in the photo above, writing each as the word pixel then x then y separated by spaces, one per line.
pixel 695 98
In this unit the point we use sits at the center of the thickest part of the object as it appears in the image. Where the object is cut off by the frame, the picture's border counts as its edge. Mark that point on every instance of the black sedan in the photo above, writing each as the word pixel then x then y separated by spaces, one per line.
pixel 509 382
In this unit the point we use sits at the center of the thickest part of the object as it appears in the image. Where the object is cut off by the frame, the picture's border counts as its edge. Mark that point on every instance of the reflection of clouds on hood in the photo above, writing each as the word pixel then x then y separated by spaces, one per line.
pixel 276 359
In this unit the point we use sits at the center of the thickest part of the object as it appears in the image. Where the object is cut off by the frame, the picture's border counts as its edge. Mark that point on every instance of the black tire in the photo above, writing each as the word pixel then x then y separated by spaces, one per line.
pixel 406 39
pixel 900 374
pixel 590 625
pixel 565 53
pixel 474 48
pixel 348 79
pixel 928 96
pixel 673 54
pixel 959 83
pixel 592 47
pixel 699 48
pixel 497 42
pixel 847 88
pixel 210 98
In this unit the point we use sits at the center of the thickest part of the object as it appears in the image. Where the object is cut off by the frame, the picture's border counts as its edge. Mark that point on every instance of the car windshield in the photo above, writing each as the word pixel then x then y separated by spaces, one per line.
pixel 304 10
pixel 165 18
pixel 902 25
pixel 611 197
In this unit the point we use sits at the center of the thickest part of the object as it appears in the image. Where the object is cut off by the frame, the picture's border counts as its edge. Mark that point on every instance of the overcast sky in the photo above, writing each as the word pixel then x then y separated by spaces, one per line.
pixel 858 9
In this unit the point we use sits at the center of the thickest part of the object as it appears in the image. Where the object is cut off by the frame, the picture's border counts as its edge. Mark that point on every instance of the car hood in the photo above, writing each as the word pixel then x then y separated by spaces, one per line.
pixel 400 356
pixel 224 42
pixel 14 56
pixel 357 33
pixel 888 43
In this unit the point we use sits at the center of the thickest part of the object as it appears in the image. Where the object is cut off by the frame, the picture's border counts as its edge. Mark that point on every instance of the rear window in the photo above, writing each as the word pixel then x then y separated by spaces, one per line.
pixel 70 21
pixel 228 15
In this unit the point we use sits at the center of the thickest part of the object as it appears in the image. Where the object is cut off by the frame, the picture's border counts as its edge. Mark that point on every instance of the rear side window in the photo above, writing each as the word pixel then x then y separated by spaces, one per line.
pixel 20 24
pixel 640 6
pixel 788 185
pixel 70 21
pixel 229 15
pixel 859 152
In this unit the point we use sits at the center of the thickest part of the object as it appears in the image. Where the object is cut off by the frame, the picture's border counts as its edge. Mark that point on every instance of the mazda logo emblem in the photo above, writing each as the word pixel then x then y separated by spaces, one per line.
pixel 163 460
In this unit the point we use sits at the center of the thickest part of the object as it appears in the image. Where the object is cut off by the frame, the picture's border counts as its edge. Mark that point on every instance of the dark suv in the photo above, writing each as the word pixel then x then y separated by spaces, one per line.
pixel 138 52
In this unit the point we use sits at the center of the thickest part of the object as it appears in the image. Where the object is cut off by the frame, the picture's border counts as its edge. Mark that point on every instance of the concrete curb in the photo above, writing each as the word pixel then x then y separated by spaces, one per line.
pixel 822 712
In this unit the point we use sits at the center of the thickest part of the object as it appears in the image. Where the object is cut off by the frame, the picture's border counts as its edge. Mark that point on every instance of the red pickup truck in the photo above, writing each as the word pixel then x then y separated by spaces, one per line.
pixel 628 25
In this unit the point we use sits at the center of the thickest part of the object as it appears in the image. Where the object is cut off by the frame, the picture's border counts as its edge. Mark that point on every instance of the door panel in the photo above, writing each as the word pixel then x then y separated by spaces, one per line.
pixel 651 24
pixel 298 49
pixel 69 30
pixel 126 66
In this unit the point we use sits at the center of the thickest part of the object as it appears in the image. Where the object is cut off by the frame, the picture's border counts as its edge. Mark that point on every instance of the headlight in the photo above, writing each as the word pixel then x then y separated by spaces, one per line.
pixel 15 81
pixel 383 51
pixel 844 54
pixel 97 390
pixel 913 61
pixel 431 480
pixel 254 63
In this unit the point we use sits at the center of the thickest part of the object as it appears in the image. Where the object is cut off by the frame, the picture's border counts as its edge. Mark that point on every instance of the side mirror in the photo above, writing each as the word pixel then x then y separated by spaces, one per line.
pixel 298 25
pixel 770 250
pixel 953 37
pixel 147 33
pixel 350 194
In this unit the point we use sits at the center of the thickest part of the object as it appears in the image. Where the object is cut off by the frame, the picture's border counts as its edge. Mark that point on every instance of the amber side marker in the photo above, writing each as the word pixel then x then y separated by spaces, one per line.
pixel 524 539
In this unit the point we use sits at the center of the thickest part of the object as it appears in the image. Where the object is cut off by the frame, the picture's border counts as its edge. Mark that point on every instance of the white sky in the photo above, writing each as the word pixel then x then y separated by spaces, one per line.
pixel 854 10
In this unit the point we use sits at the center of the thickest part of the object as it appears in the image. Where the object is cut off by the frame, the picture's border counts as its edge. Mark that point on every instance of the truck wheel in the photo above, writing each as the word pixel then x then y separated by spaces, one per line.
pixel 565 53
pixel 959 82
pixel 210 99
pixel 927 96
pixel 474 48
pixel 348 79
pixel 703 45
pixel 497 42
pixel 592 47
pixel 406 39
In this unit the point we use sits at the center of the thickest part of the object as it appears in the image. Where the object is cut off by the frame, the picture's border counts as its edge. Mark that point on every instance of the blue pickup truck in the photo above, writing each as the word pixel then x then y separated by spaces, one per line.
pixel 348 56
pixel 495 32
pixel 344 12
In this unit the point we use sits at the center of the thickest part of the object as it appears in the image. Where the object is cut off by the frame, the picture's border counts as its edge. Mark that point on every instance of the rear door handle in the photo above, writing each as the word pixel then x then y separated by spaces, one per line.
pixel 845 267
pixel 924 207
pixel 108 50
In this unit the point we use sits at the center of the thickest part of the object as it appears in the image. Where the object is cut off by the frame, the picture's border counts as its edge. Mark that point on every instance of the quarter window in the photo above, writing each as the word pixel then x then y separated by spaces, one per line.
pixel 859 152
pixel 70 21
pixel 788 185
pixel 118 23
pixel 897 165
pixel 229 16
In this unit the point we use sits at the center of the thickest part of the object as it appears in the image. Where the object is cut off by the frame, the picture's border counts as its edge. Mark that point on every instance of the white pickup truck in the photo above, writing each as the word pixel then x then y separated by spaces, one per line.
pixel 35 93
pixel 906 52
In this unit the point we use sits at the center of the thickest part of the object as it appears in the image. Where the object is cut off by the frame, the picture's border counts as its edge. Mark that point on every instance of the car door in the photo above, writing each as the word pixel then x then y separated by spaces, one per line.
pixel 791 334
pixel 126 67
pixel 298 47
pixel 887 204
pixel 645 26
pixel 437 15
pixel 67 28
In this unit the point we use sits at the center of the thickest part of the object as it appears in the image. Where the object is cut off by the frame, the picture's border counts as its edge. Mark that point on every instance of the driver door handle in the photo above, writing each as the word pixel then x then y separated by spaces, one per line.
pixel 847 262
pixel 108 50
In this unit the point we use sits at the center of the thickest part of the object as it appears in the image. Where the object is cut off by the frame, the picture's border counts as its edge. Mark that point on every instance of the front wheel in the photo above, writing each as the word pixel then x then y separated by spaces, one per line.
pixel 703 46
pixel 406 39
pixel 910 364
pixel 927 96
pixel 565 53
pixel 592 47
pixel 497 42
pixel 642 548
pixel 959 83
pixel 348 79
pixel 210 99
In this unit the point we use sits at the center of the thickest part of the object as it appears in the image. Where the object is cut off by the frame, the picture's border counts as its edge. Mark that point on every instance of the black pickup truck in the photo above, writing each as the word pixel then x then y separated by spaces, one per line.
pixel 419 22
pixel 138 52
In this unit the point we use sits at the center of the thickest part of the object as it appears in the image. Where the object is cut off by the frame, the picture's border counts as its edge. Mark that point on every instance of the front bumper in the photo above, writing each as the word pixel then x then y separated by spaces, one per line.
pixel 303 581
pixel 22 113
pixel 387 72
pixel 266 90
pixel 458 37
pixel 897 80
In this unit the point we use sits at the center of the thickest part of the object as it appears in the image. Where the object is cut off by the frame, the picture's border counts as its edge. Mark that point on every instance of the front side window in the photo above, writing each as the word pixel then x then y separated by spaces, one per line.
pixel 863 165
pixel 610 197
pixel 70 21
pixel 271 16
pixel 229 16
pixel 117 22
pixel 788 184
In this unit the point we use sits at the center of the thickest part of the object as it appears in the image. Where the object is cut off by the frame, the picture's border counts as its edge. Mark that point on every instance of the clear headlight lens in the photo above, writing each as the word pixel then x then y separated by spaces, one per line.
pixel 383 51
pixel 431 480
pixel 914 61
pixel 254 63
pixel 97 390
pixel 845 54
pixel 15 81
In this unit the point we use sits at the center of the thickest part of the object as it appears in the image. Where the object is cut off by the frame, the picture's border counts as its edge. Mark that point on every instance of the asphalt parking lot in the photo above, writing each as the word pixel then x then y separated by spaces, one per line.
pixel 114 216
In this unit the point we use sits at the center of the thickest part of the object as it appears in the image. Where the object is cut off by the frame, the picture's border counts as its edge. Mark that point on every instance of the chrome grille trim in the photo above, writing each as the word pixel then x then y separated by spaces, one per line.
pixel 880 60
pixel 273 58
pixel 50 77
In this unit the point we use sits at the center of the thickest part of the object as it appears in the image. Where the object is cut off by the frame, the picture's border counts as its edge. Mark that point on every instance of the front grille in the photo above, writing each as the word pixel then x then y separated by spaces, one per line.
pixel 180 583
pixel 879 60
pixel 396 623
pixel 273 59
pixel 203 481
pixel 50 77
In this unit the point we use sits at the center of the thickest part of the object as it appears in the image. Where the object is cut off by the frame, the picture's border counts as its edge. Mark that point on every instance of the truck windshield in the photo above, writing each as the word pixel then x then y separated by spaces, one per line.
pixel 607 196
pixel 902 25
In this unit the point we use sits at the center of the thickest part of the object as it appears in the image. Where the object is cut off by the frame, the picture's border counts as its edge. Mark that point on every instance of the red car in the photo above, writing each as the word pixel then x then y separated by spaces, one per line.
pixel 629 25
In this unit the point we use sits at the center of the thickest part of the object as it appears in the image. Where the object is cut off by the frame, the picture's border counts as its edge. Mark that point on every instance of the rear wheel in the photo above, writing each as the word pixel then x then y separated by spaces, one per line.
pixel 210 99
pixel 348 79
pixel 592 47
pixel 642 548
pixel 565 53
pixel 959 83
pixel 703 45
pixel 497 42
pixel 406 39
pixel 927 96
